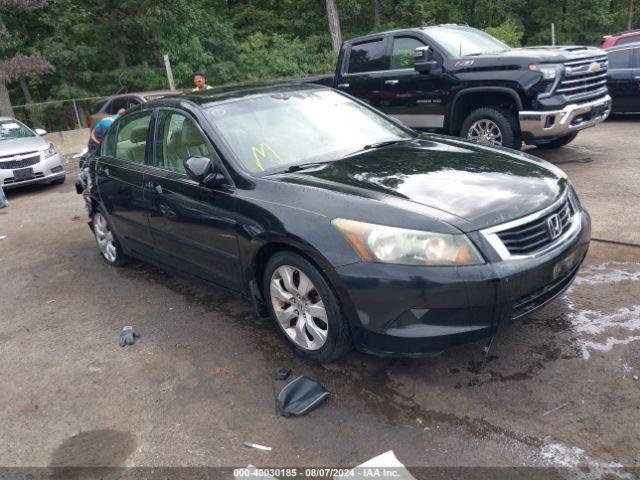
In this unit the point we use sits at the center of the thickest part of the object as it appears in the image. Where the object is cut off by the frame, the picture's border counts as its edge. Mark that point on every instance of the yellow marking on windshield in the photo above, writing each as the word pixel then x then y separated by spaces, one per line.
pixel 261 152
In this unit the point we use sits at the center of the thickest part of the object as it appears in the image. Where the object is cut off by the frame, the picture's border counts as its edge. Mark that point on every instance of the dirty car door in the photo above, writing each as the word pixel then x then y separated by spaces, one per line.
pixel 119 175
pixel 193 227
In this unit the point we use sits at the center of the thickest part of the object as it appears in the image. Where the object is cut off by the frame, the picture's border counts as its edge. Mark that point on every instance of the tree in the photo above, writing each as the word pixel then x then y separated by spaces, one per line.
pixel 19 66
pixel 334 26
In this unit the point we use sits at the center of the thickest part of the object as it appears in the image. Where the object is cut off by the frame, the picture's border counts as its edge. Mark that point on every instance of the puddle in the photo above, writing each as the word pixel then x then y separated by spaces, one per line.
pixel 607 273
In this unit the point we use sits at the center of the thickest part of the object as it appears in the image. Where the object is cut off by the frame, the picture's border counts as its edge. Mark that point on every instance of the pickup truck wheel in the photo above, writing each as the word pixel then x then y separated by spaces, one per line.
pixel 556 142
pixel 492 127
pixel 305 308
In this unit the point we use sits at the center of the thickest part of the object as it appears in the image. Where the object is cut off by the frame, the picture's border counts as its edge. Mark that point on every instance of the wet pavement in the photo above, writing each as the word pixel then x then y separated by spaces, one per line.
pixel 559 389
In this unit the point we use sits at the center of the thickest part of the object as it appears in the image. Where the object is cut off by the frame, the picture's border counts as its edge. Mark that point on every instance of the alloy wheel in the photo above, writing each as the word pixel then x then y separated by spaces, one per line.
pixel 298 307
pixel 485 132
pixel 105 238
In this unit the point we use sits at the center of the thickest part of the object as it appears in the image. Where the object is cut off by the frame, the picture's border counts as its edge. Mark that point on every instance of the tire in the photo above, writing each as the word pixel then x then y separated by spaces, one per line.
pixel 59 181
pixel 556 142
pixel 500 123
pixel 283 281
pixel 108 244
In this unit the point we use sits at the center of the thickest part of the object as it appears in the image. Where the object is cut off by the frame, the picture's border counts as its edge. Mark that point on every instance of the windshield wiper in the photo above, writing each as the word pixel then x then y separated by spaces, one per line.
pixel 382 144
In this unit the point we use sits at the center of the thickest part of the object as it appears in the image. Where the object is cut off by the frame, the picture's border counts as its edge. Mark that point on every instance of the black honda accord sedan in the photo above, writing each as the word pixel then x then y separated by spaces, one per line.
pixel 345 227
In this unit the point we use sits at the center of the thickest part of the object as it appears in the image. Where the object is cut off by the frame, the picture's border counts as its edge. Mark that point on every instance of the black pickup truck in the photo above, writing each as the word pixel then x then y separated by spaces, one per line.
pixel 461 81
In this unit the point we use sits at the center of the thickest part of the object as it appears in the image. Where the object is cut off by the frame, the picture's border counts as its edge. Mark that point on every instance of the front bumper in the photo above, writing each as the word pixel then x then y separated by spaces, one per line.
pixel 414 311
pixel 46 170
pixel 557 123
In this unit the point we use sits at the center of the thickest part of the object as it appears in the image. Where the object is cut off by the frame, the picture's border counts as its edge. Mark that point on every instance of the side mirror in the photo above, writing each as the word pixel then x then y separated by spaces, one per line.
pixel 422 62
pixel 41 131
pixel 202 170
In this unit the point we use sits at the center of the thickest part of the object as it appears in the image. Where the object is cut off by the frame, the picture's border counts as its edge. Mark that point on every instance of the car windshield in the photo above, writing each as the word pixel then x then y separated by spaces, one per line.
pixel 273 132
pixel 468 41
pixel 10 129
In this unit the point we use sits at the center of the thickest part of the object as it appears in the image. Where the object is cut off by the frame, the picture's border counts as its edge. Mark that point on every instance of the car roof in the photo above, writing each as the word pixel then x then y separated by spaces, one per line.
pixel 234 92
pixel 624 46
pixel 455 26
pixel 4 119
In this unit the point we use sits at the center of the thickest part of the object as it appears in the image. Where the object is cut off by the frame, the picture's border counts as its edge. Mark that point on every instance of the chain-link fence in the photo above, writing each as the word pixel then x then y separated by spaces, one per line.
pixel 58 115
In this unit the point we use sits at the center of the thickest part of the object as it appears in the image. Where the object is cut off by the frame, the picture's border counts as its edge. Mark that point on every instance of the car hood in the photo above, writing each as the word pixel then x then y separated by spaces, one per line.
pixel 544 54
pixel 476 186
pixel 16 146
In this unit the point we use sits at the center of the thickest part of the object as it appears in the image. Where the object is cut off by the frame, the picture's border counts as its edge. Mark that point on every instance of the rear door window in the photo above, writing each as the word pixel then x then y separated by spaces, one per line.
pixel 621 59
pixel 132 135
pixel 368 56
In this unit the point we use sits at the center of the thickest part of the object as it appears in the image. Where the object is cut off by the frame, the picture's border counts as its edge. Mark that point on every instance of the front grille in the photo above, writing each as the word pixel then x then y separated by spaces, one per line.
pixel 528 303
pixel 10 180
pixel 580 79
pixel 23 162
pixel 535 235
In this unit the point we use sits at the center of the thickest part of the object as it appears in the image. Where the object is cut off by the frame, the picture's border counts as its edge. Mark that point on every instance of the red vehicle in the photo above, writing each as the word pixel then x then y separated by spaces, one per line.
pixel 621 38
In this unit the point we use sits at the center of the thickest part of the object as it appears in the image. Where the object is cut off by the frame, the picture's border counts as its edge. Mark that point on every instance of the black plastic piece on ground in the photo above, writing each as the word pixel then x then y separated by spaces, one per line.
pixel 300 396
pixel 283 373
pixel 128 336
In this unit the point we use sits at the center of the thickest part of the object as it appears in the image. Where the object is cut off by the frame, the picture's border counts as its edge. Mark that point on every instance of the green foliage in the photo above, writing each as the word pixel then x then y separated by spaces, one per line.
pixel 510 32
pixel 100 47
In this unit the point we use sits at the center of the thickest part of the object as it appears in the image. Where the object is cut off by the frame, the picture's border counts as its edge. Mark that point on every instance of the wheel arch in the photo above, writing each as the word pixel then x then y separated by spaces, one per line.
pixel 472 98
pixel 263 252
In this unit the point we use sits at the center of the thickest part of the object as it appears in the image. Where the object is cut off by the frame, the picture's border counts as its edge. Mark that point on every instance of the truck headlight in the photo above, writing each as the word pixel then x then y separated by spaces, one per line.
pixel 50 152
pixel 379 243
pixel 549 72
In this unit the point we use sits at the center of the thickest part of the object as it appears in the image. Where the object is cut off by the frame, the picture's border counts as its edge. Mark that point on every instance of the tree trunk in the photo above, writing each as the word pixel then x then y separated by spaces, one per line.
pixel 629 14
pixel 5 102
pixel 376 13
pixel 334 26
pixel 25 90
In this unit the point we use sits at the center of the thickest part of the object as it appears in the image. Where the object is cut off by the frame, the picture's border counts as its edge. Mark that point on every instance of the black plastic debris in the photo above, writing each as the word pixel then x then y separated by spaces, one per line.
pixel 283 373
pixel 3 200
pixel 128 336
pixel 300 396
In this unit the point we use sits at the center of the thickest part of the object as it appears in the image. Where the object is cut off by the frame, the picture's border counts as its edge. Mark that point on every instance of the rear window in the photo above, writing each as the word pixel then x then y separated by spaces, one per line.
pixel 629 39
pixel 368 57
pixel 97 106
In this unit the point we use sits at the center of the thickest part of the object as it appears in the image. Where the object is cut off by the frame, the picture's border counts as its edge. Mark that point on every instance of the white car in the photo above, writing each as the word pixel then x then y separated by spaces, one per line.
pixel 26 157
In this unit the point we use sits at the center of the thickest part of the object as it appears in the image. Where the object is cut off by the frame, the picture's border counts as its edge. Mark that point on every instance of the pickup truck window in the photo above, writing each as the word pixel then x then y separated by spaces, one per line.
pixel 367 57
pixel 403 51
pixel 460 43
pixel 620 59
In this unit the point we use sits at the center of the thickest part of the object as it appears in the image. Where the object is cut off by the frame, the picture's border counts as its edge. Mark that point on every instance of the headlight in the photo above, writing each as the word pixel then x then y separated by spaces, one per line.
pixel 379 243
pixel 50 152
pixel 548 72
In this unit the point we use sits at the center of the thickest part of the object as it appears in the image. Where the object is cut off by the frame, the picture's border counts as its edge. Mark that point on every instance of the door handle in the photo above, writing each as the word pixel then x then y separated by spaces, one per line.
pixel 343 85
pixel 103 170
pixel 392 81
pixel 153 186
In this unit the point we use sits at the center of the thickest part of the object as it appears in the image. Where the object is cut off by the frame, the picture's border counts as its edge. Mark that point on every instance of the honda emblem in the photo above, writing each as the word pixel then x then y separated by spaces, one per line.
pixel 554 225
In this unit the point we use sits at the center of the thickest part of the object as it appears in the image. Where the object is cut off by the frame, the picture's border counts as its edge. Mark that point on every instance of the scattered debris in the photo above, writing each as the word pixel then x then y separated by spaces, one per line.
pixel 51 301
pixel 635 377
pixel 2 237
pixel 257 446
pixel 222 370
pixel 300 396
pixel 128 336
pixel 554 409
pixel 283 373
pixel 76 218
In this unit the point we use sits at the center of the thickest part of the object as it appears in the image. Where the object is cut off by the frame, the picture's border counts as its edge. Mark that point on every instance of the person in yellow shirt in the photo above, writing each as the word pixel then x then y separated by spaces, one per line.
pixel 200 82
